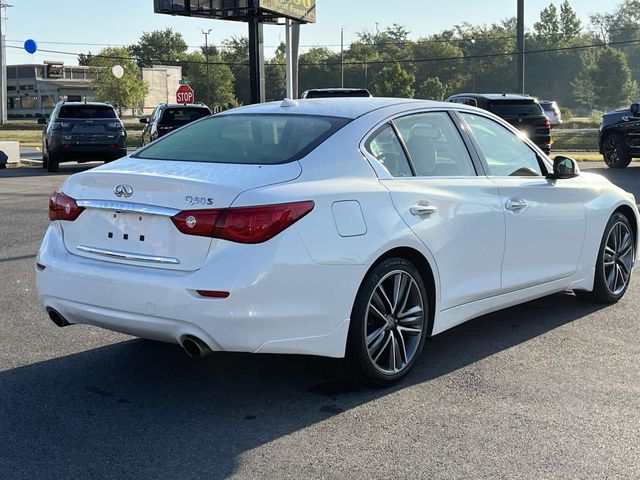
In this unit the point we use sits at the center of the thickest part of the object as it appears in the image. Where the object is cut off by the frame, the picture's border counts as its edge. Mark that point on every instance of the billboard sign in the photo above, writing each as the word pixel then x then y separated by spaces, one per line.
pixel 302 10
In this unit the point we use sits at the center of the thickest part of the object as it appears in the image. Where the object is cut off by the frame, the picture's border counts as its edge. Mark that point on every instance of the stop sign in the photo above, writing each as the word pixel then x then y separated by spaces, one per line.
pixel 184 94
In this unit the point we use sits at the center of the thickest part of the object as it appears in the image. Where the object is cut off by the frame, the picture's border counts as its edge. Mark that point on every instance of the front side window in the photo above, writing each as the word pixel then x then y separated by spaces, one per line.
pixel 255 139
pixel 505 153
pixel 435 146
pixel 386 148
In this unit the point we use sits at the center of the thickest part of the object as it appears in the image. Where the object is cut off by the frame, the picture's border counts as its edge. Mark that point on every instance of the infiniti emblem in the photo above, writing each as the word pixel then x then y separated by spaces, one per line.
pixel 123 190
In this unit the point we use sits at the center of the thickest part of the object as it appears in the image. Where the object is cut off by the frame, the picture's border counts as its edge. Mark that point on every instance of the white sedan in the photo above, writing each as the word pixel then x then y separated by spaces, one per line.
pixel 334 227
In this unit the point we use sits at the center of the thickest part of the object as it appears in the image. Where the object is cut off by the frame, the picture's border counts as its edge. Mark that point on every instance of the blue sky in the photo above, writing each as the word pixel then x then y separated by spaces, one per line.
pixel 122 21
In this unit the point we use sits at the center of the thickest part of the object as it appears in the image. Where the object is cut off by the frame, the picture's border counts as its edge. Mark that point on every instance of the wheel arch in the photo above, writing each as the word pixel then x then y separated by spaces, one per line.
pixel 426 272
pixel 628 212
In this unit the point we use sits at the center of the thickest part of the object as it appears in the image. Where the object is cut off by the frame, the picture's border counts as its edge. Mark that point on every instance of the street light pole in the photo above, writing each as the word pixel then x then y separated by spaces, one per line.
pixel 342 57
pixel 206 56
pixel 3 66
pixel 520 47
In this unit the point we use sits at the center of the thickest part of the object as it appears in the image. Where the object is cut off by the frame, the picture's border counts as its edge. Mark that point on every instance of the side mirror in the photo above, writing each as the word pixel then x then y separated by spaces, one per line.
pixel 564 167
pixel 635 109
pixel 144 120
pixel 42 121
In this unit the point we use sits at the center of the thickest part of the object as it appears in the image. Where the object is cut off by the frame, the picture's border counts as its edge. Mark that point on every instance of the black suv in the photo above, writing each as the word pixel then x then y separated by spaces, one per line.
pixel 82 131
pixel 168 117
pixel 522 111
pixel 619 137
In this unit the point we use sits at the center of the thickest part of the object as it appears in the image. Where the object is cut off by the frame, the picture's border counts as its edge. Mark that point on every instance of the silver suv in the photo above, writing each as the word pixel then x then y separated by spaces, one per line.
pixel 82 132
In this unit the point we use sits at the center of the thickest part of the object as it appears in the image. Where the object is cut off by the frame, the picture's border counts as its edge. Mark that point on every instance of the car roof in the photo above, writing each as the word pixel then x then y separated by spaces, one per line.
pixel 345 107
pixel 86 104
pixel 496 96
pixel 184 105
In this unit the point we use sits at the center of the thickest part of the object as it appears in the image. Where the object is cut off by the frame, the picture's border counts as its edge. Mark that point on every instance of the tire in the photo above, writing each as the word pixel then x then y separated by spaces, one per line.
pixel 614 266
pixel 45 158
pixel 615 151
pixel 52 163
pixel 384 342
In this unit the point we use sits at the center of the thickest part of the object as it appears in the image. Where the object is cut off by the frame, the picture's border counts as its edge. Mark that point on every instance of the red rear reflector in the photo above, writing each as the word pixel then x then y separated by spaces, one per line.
pixel 40 267
pixel 63 207
pixel 212 294
pixel 242 224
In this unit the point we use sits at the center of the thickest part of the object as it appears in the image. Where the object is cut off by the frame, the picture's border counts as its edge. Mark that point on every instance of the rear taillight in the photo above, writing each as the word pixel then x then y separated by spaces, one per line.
pixel 242 224
pixel 63 207
pixel 542 123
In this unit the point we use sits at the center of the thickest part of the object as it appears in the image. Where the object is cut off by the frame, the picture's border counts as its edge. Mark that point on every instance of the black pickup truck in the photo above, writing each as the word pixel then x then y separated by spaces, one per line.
pixel 619 136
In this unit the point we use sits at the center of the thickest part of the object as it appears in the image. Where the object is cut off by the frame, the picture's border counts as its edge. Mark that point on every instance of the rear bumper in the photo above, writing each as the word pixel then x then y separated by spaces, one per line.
pixel 89 152
pixel 280 300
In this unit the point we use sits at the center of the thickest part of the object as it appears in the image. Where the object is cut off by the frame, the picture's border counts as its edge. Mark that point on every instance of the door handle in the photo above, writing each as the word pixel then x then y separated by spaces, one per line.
pixel 515 204
pixel 423 209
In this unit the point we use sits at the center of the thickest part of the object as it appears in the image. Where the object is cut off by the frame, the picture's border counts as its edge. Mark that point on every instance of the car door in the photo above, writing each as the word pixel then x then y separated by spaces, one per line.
pixel 545 218
pixel 456 213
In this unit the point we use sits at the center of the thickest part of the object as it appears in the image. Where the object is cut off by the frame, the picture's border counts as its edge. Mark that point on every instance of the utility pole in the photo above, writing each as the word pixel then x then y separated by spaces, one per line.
pixel 3 66
pixel 520 47
pixel 256 54
pixel 342 57
pixel 288 58
pixel 206 56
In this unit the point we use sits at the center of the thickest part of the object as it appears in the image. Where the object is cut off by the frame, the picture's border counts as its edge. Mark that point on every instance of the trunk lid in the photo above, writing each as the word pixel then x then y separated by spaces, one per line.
pixel 135 228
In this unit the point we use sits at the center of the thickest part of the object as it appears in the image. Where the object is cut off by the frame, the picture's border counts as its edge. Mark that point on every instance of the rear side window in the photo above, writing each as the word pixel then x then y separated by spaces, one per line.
pixel 86 111
pixel 256 139
pixel 515 108
pixel 386 148
pixel 183 115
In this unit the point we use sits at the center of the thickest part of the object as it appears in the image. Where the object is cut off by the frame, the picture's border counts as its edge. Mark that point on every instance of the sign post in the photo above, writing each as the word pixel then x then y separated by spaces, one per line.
pixel 184 94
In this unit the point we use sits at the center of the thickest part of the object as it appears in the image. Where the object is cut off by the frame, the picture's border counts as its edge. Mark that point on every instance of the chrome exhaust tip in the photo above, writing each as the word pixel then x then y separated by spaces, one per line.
pixel 56 318
pixel 195 348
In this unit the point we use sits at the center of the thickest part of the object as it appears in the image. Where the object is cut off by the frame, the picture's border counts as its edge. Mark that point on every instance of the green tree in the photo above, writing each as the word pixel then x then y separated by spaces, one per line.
pixel 218 85
pixel 122 93
pixel 235 52
pixel 612 80
pixel 431 89
pixel 548 25
pixel 394 81
pixel 570 24
pixel 275 77
pixel 159 47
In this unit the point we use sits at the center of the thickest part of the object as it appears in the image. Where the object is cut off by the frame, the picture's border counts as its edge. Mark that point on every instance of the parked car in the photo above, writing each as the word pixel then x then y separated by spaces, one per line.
pixel 336 92
pixel 552 111
pixel 84 132
pixel 521 111
pixel 619 136
pixel 167 117
pixel 351 228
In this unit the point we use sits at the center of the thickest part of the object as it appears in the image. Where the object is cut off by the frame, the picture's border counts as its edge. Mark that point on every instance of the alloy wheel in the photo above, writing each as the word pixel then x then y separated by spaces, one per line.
pixel 394 322
pixel 618 258
pixel 612 152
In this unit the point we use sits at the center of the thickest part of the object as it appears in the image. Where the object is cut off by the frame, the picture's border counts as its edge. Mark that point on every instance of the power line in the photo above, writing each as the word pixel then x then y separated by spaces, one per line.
pixel 372 62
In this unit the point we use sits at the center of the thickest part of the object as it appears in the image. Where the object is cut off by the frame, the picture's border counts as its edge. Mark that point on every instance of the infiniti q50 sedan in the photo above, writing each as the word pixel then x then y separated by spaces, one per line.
pixel 336 227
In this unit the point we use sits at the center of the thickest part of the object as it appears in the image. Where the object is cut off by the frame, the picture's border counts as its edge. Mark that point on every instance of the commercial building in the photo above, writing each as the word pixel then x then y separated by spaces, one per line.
pixel 34 89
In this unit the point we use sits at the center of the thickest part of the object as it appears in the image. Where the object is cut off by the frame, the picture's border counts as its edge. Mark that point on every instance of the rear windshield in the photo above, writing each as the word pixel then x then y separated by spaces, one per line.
pixel 515 108
pixel 257 139
pixel 86 111
pixel 183 115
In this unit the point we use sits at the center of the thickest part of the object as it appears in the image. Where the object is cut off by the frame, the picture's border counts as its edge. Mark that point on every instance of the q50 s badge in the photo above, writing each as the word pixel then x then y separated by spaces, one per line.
pixel 198 200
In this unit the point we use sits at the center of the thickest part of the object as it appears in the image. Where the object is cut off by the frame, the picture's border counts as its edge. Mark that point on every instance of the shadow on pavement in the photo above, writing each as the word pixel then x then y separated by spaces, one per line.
pixel 142 409
pixel 37 171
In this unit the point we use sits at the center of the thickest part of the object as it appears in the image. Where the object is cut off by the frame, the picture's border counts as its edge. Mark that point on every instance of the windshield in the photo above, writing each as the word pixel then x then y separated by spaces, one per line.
pixel 515 108
pixel 266 139
pixel 86 111
pixel 174 116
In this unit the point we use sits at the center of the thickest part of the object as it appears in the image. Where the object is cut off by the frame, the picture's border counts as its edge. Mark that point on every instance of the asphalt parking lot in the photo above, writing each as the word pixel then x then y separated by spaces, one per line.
pixel 549 389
